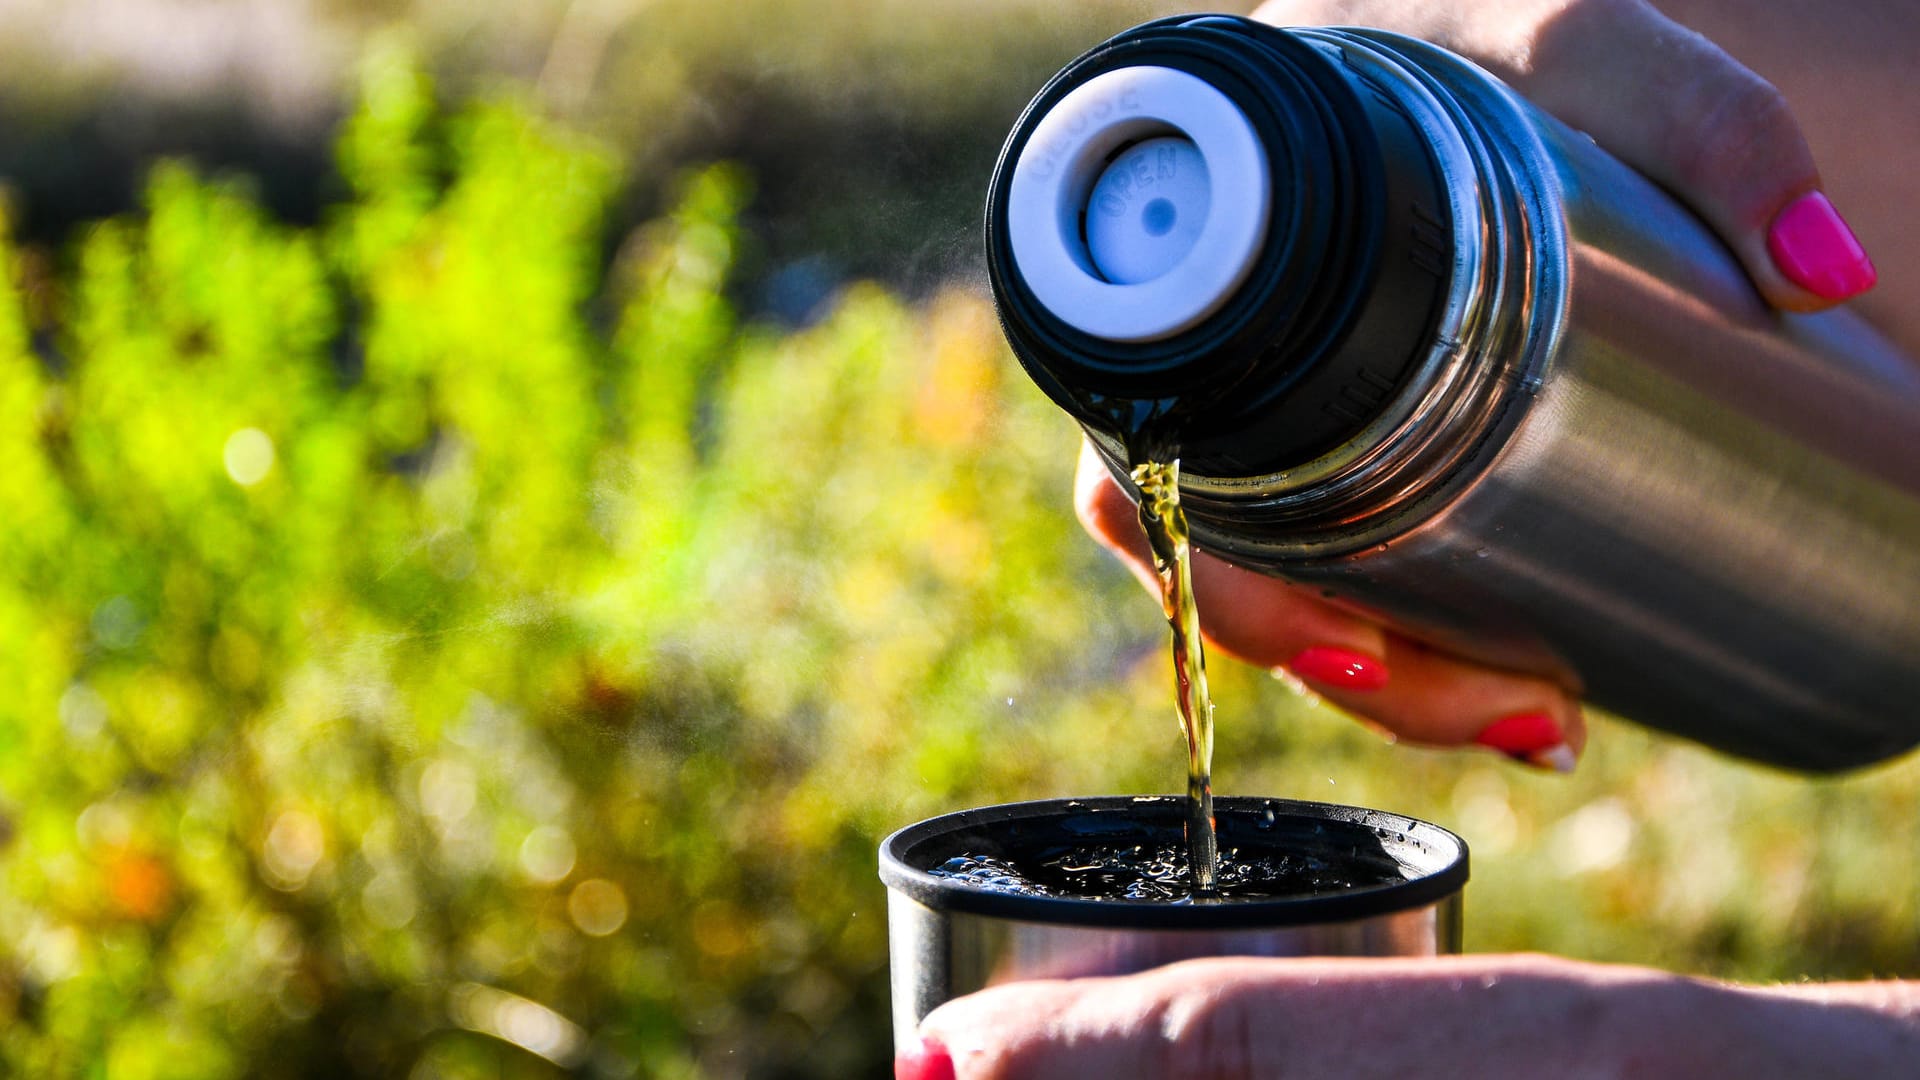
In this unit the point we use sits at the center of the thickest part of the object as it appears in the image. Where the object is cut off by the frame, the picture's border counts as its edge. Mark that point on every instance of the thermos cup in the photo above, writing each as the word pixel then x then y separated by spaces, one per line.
pixel 1434 354
pixel 1387 886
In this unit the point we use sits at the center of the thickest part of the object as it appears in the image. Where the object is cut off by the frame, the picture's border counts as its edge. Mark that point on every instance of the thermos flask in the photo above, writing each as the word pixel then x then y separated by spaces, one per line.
pixel 1431 353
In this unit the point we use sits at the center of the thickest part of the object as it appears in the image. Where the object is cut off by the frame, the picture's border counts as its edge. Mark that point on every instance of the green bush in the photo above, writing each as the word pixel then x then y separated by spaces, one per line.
pixel 438 653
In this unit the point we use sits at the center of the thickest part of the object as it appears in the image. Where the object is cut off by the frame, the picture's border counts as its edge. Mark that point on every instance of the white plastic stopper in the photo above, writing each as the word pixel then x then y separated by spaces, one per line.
pixel 1139 204
pixel 1147 209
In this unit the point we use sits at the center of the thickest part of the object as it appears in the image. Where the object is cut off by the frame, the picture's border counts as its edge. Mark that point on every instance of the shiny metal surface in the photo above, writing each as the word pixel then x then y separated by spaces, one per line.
pixel 1618 467
pixel 937 956
pixel 949 937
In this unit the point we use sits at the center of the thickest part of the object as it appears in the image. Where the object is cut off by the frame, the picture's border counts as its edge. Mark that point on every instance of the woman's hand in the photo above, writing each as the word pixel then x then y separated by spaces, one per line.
pixel 1664 99
pixel 1431 1017
pixel 1413 691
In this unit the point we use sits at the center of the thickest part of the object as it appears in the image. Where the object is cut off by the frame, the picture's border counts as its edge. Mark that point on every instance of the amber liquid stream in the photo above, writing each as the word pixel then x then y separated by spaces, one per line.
pixel 1157 480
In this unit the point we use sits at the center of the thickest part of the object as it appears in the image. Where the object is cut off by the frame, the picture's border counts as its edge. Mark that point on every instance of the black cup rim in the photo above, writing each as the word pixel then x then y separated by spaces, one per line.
pixel 1435 860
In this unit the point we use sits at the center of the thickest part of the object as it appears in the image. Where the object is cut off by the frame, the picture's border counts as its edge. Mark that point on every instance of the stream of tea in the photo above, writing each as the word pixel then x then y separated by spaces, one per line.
pixel 1156 476
pixel 1137 872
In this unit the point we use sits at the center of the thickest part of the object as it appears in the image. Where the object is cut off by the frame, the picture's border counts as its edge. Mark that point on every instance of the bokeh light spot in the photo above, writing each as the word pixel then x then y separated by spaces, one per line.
pixel 294 847
pixel 248 456
pixel 547 854
pixel 389 901
pixel 524 1023
pixel 83 712
pixel 1594 838
pixel 52 952
pixel 447 791
pixel 107 823
pixel 597 906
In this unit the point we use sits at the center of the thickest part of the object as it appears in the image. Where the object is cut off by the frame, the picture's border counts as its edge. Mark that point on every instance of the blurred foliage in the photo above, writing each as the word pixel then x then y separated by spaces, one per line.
pixel 871 126
pixel 436 653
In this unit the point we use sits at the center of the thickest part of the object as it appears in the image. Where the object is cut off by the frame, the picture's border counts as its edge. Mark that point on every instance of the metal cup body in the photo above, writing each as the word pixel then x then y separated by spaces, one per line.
pixel 948 939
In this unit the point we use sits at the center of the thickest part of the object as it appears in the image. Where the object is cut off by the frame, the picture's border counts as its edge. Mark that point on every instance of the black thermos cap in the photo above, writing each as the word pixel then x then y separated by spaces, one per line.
pixel 1337 302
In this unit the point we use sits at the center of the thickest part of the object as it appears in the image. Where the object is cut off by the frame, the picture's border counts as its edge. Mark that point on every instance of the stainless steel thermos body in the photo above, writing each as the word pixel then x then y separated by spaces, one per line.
pixel 948 938
pixel 1474 377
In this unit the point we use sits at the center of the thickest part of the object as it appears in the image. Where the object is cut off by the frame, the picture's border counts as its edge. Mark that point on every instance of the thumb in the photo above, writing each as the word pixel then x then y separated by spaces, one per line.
pixel 1190 1019
pixel 1227 1017
pixel 1667 101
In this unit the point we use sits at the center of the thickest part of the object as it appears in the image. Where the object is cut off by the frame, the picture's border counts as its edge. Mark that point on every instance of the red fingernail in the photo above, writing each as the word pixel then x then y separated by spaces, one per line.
pixel 1812 245
pixel 928 1061
pixel 1524 735
pixel 1342 669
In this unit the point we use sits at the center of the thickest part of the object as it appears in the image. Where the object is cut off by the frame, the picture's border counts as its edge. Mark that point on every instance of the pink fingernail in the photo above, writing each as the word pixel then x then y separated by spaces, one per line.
pixel 1531 738
pixel 1813 246
pixel 1342 669
pixel 928 1061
